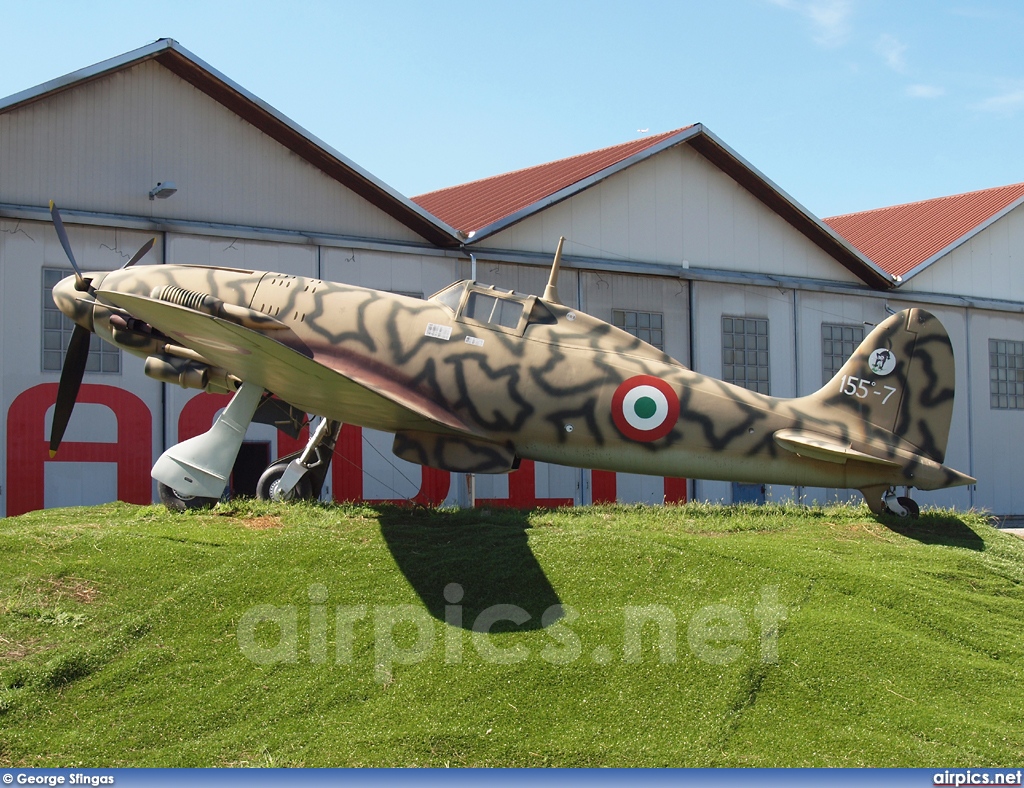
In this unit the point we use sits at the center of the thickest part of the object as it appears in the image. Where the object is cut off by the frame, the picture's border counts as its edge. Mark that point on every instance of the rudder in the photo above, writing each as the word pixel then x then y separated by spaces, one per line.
pixel 899 381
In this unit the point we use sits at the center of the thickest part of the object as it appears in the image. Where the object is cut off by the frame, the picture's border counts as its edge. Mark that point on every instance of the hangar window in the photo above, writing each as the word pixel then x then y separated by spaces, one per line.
pixel 1006 374
pixel 837 345
pixel 57 331
pixel 745 353
pixel 647 326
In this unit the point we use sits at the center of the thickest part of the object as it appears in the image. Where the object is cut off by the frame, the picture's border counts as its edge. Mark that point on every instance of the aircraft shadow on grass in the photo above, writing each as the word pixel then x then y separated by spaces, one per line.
pixel 490 561
pixel 936 528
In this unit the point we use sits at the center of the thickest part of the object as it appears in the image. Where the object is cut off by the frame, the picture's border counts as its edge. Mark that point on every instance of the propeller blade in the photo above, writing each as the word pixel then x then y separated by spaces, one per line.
pixel 62 234
pixel 70 382
pixel 143 251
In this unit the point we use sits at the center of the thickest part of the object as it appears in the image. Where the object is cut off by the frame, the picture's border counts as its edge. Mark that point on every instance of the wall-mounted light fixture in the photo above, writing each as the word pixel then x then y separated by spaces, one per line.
pixel 162 190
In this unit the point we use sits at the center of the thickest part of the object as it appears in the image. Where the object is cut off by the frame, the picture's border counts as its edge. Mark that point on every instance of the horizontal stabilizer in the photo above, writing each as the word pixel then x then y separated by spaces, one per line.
pixel 825 447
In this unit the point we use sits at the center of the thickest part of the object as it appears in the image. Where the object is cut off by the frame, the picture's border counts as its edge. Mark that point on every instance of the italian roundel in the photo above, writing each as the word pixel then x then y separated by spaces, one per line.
pixel 645 408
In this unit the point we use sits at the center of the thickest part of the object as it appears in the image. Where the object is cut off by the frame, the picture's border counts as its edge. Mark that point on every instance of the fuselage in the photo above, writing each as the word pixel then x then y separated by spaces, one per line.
pixel 549 382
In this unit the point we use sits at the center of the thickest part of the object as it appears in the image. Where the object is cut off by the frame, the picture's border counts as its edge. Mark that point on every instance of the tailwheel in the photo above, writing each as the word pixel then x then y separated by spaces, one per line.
pixel 913 510
pixel 177 502
pixel 900 506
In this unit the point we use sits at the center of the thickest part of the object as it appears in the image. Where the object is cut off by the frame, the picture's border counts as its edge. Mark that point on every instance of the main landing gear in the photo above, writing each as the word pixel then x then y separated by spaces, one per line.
pixel 301 475
pixel 194 473
pixel 178 502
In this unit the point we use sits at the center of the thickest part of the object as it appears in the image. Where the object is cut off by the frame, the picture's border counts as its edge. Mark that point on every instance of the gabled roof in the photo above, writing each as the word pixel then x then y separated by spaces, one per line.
pixel 490 205
pixel 473 206
pixel 905 239
pixel 172 56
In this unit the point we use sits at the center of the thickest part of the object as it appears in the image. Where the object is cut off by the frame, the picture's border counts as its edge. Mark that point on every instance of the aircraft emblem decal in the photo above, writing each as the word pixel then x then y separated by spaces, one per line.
pixel 645 408
pixel 882 361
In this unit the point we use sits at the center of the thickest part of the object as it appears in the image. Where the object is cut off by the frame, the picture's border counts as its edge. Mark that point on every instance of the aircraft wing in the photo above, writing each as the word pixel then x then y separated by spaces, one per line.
pixel 282 364
pixel 825 447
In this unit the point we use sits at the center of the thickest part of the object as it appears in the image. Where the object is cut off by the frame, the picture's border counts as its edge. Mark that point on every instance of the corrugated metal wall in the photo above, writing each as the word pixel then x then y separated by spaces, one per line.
pixel 105 144
pixel 671 208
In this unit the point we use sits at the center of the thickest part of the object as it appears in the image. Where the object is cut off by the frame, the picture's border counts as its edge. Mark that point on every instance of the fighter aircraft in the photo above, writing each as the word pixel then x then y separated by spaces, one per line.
pixel 476 378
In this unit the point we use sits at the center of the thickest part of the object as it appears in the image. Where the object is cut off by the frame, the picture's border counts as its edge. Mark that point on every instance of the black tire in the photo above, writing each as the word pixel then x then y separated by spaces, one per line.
pixel 180 503
pixel 913 510
pixel 270 480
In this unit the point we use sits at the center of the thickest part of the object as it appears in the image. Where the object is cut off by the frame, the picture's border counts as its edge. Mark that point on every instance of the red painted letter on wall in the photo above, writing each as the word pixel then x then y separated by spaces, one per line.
pixel 28 448
pixel 197 415
pixel 347 474
pixel 347 463
pixel 604 488
pixel 675 490
pixel 522 491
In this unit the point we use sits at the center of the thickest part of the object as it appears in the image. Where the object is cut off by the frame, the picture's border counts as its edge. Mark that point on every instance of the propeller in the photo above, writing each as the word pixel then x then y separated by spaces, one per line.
pixel 77 355
pixel 143 251
pixel 81 283
pixel 78 348
pixel 70 382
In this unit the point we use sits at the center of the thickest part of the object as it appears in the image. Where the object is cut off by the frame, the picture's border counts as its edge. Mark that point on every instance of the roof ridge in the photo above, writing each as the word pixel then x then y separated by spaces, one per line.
pixel 170 54
pixel 651 139
pixel 904 239
pixel 930 200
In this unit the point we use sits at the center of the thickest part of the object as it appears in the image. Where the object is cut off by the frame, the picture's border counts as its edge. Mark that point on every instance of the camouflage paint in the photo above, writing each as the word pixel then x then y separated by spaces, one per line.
pixel 476 378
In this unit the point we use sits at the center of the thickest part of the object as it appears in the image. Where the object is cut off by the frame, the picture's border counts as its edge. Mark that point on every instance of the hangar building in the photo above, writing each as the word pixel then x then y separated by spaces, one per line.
pixel 673 236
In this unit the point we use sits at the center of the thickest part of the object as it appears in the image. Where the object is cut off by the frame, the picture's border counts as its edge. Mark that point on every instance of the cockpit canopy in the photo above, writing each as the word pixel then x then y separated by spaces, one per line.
pixel 509 312
pixel 493 307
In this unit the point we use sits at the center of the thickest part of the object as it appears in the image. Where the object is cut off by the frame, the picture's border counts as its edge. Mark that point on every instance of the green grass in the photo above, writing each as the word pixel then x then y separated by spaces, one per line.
pixel 120 630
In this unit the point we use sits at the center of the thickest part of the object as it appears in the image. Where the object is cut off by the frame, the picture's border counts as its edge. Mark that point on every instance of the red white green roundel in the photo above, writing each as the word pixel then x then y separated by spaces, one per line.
pixel 645 408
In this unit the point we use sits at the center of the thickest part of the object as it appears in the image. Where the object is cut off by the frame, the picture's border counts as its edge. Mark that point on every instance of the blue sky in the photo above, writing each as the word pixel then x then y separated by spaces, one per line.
pixel 845 104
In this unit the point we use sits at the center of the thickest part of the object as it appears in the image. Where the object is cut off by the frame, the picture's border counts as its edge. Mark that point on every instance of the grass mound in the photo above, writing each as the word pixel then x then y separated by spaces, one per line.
pixel 699 635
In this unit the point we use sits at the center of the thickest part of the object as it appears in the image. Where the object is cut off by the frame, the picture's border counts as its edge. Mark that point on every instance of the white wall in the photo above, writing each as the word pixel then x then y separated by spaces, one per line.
pixel 672 207
pixel 989 265
pixel 997 434
pixel 103 145
pixel 394 272
pixel 714 301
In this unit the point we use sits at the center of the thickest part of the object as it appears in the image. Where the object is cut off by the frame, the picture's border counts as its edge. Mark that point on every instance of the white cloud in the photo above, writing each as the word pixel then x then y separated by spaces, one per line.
pixel 830 19
pixel 893 52
pixel 1007 102
pixel 925 91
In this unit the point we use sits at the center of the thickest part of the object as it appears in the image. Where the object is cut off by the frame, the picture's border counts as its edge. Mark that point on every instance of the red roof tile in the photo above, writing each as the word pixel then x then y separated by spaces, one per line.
pixel 901 237
pixel 470 206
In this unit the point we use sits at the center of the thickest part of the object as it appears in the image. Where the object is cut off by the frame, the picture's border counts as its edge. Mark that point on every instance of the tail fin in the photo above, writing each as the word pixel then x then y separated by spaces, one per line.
pixel 899 381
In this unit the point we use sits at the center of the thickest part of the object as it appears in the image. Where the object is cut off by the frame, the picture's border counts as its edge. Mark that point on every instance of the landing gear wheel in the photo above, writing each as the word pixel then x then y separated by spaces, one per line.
pixel 268 487
pixel 176 502
pixel 913 510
